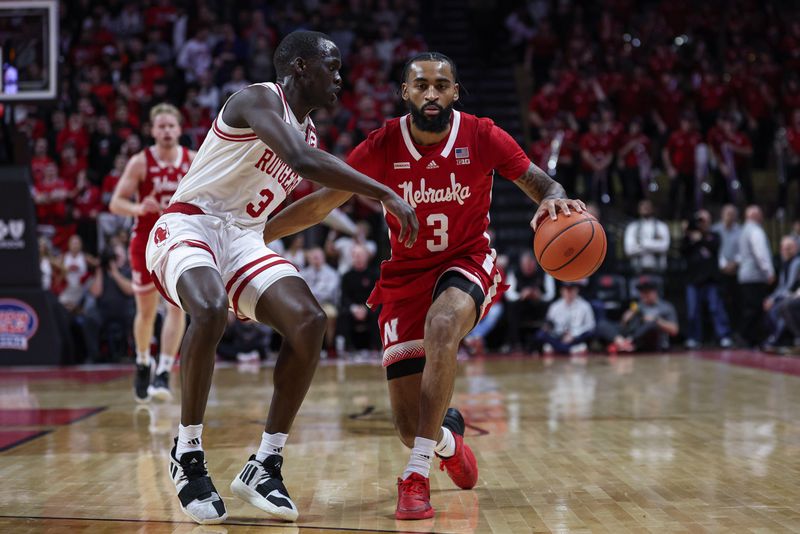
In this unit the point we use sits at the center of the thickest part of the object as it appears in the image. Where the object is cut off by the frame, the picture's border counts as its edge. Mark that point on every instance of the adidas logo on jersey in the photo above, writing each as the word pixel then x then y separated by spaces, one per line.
pixel 432 165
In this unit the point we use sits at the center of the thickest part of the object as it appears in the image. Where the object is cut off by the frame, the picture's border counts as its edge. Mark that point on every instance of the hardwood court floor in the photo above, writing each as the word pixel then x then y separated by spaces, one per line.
pixel 647 444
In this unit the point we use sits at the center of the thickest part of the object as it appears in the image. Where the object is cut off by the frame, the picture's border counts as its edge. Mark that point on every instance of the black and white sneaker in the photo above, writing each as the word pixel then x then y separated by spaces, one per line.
pixel 141 383
pixel 261 484
pixel 199 498
pixel 159 389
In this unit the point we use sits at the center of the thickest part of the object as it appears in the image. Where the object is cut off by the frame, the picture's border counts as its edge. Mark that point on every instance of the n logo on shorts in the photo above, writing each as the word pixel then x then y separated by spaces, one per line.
pixel 390 331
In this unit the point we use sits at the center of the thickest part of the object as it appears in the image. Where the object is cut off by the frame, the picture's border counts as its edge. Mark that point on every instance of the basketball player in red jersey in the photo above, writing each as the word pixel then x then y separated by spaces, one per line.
pixel 442 161
pixel 152 176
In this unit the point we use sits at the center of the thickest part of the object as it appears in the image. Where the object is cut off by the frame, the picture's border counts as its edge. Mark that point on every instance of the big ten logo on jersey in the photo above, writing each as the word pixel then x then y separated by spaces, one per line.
pixel 390 332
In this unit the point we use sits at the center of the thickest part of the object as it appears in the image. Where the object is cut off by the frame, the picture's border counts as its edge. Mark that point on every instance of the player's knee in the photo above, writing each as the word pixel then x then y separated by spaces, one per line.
pixel 441 330
pixel 210 313
pixel 310 329
pixel 315 322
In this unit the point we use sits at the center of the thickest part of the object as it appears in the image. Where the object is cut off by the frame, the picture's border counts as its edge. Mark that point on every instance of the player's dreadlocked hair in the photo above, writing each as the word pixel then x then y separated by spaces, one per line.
pixel 430 56
pixel 301 43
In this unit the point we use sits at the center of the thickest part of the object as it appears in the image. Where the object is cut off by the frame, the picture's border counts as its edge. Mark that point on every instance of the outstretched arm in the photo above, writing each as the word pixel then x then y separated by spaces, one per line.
pixel 257 107
pixel 304 213
pixel 547 193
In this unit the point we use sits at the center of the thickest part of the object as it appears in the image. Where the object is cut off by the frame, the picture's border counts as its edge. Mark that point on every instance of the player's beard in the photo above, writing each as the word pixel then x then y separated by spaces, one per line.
pixel 436 124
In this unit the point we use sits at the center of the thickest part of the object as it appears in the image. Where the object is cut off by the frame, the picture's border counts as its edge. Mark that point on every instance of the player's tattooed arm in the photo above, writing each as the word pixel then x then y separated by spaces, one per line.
pixel 546 192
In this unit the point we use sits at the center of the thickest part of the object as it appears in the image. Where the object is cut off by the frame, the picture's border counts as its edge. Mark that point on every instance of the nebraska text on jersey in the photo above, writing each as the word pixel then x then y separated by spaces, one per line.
pixel 429 195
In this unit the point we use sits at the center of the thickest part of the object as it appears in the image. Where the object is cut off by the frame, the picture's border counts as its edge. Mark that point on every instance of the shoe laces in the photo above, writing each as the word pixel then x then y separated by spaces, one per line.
pixel 413 487
pixel 194 471
pixel 270 472
pixel 451 465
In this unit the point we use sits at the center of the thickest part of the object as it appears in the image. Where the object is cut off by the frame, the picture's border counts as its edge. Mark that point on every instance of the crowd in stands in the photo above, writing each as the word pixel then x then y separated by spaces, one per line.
pixel 621 90
pixel 120 60
pixel 703 93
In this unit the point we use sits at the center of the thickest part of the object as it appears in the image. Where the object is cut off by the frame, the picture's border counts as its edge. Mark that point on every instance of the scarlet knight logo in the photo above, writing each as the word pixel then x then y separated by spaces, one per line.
pixel 160 234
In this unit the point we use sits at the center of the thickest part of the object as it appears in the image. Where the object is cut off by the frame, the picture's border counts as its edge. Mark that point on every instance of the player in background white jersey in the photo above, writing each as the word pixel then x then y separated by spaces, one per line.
pixel 152 176
pixel 207 253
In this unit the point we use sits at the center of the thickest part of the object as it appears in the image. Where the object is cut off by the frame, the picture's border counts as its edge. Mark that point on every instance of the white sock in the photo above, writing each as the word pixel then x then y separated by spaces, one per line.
pixel 271 444
pixel 447 446
pixel 420 461
pixel 142 357
pixel 189 439
pixel 165 362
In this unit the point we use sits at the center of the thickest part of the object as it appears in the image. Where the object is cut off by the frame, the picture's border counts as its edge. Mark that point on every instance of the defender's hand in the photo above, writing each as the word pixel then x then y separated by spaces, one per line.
pixel 552 206
pixel 409 226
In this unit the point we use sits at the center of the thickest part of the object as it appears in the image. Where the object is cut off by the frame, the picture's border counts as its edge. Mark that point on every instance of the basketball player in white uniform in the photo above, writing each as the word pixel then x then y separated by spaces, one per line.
pixel 206 254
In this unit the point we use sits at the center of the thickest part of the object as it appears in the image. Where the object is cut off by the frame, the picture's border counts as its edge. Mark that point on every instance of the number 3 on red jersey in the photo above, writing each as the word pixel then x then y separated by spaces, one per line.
pixel 439 223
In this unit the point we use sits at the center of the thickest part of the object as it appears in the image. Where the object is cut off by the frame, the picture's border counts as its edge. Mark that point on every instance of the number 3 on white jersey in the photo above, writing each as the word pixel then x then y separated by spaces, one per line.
pixel 439 223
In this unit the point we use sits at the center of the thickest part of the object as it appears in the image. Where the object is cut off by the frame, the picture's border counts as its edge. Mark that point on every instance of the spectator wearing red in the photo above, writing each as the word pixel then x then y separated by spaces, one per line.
pixel 712 95
pixel 366 118
pixel 72 167
pixel 160 15
pixel 636 95
pixel 151 71
pixel 365 65
pixel 110 180
pixel 410 43
pixel 539 151
pixel 733 151
pixel 611 125
pixel 40 160
pixel 568 152
pixel 584 98
pixel 74 133
pixel 636 165
pixel 123 126
pixel 679 159
pixel 50 197
pixel 543 105
pixel 669 102
pixel 597 153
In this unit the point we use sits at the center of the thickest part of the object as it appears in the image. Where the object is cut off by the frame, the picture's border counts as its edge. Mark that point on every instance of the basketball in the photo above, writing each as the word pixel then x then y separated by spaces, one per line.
pixel 570 248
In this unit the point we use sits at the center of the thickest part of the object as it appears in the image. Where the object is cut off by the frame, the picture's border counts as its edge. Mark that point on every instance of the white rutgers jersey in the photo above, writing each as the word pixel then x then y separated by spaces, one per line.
pixel 235 176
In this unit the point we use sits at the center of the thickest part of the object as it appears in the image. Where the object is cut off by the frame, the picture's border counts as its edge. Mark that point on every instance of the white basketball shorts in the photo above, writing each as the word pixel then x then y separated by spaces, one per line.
pixel 184 238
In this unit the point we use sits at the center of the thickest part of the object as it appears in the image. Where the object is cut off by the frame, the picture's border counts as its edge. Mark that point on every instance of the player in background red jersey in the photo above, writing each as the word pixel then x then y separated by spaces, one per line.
pixel 432 294
pixel 152 176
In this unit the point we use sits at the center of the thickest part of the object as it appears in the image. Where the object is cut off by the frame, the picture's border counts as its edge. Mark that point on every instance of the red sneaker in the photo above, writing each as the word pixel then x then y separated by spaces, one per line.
pixel 462 468
pixel 413 498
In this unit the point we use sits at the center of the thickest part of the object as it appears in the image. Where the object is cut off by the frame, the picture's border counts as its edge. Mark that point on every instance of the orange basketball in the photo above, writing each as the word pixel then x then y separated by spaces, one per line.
pixel 570 248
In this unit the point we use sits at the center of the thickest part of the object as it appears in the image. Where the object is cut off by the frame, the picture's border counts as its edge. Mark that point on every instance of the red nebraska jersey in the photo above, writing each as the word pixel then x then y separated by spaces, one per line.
pixel 160 181
pixel 449 185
